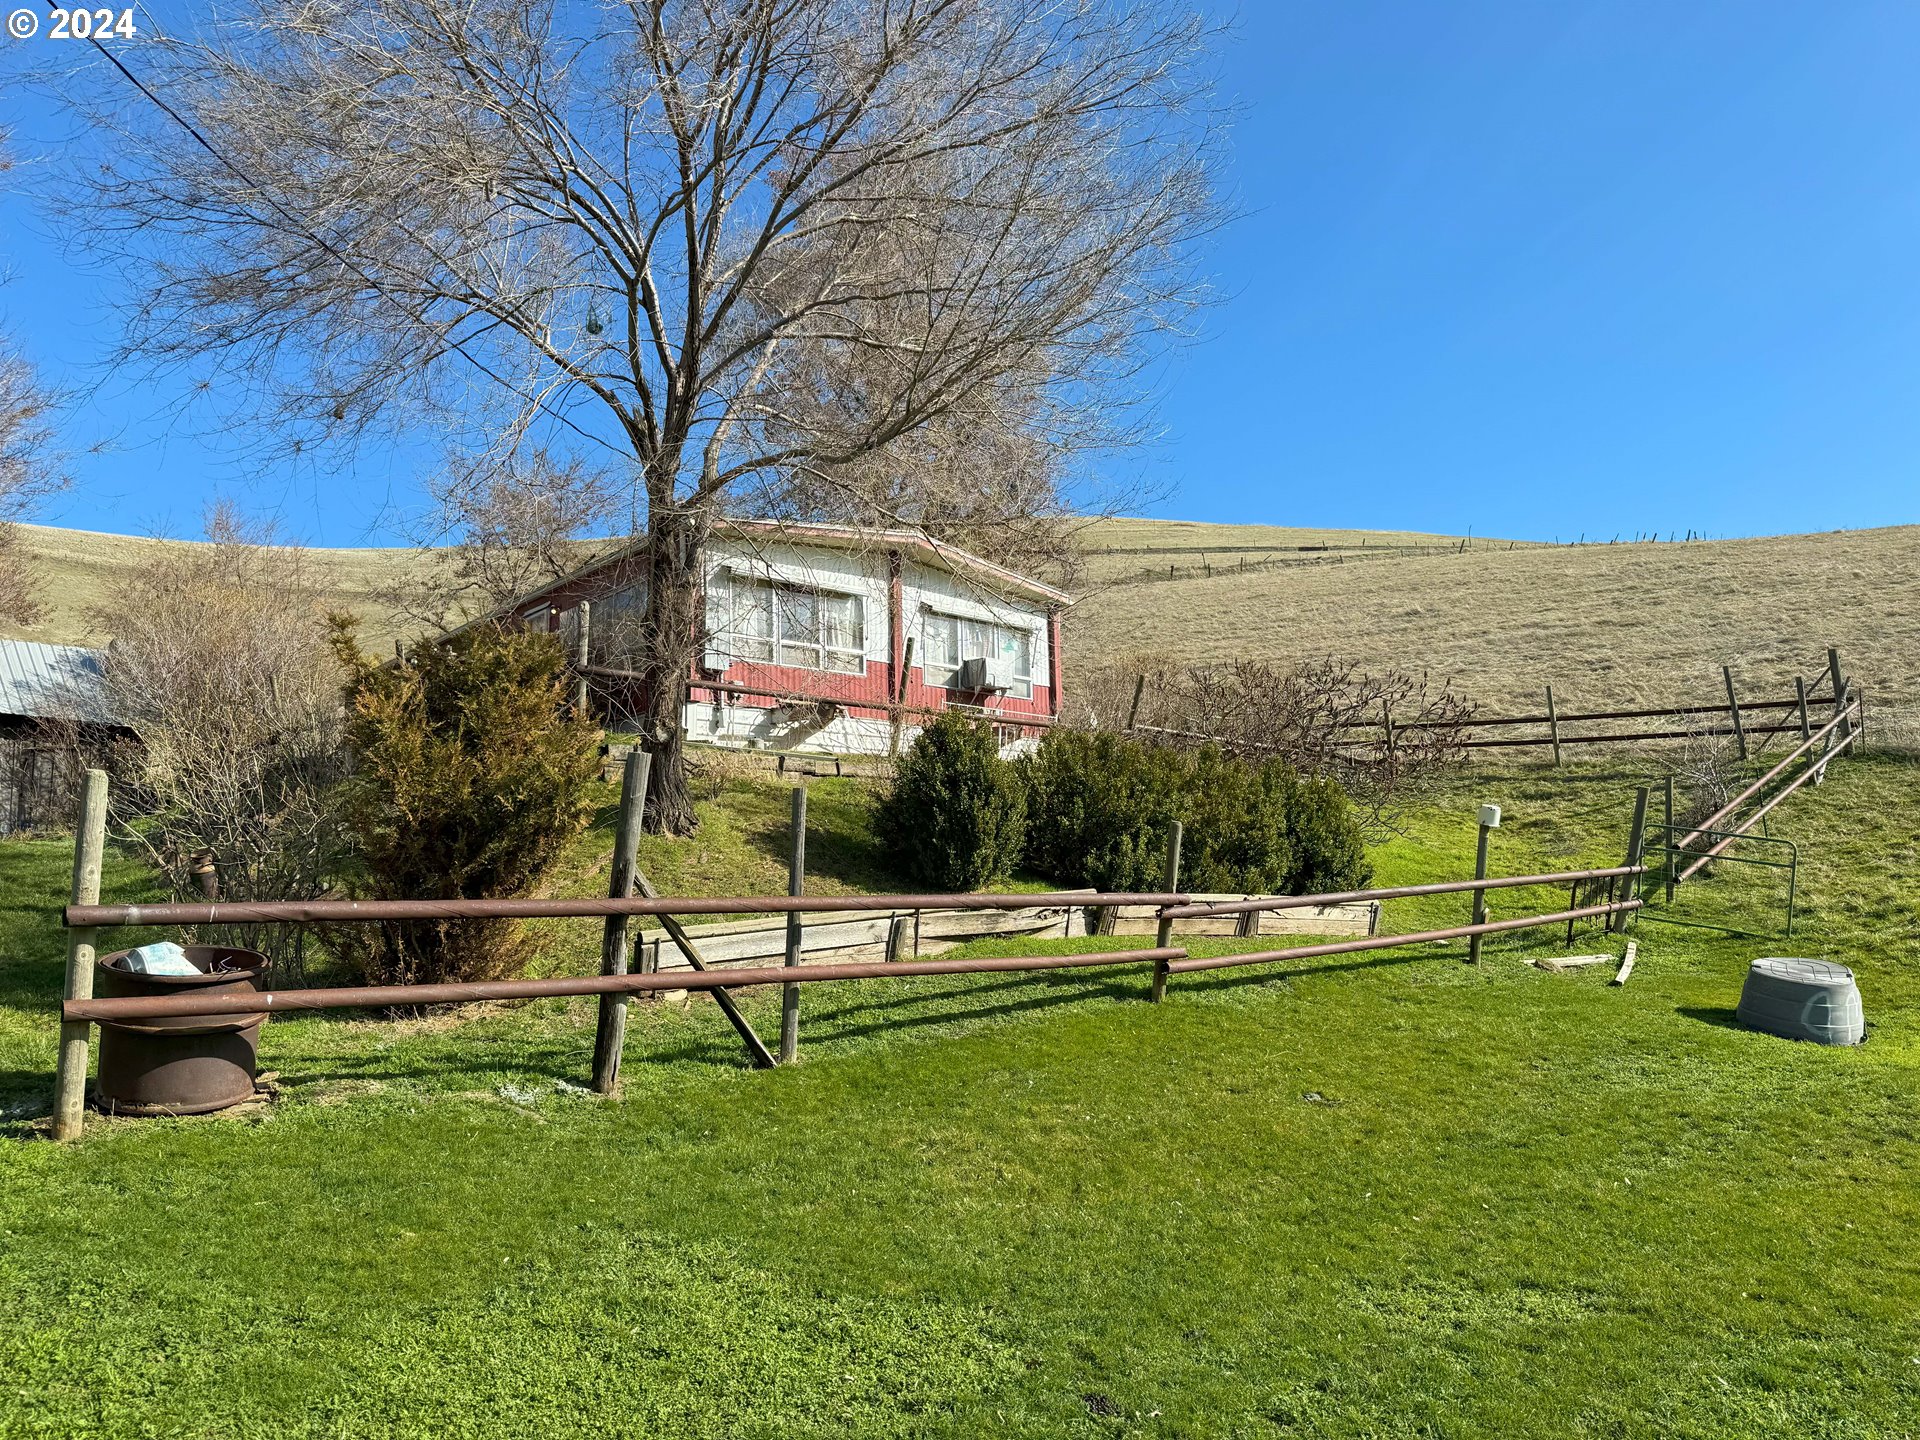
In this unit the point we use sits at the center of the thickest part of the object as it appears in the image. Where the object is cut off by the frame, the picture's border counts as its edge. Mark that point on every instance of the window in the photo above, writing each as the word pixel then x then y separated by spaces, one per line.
pixel 787 624
pixel 615 627
pixel 948 640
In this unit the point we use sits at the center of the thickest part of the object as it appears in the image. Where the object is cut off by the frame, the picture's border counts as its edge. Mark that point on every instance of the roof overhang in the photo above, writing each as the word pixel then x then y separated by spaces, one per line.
pixel 960 563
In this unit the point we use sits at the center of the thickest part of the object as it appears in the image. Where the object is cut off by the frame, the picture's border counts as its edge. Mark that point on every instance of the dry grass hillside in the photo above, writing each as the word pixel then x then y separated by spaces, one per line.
pixel 1606 625
pixel 1125 550
pixel 76 571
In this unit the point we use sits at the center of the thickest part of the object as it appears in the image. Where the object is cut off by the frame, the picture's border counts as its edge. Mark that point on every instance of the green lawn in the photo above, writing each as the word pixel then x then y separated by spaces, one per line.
pixel 1378 1196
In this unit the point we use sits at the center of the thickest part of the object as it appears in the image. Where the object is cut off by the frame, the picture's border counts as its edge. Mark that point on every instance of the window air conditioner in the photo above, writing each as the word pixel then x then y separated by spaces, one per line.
pixel 971 674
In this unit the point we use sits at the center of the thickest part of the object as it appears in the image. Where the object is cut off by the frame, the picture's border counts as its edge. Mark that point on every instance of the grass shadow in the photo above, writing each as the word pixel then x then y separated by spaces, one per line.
pixel 1040 996
pixel 1723 1016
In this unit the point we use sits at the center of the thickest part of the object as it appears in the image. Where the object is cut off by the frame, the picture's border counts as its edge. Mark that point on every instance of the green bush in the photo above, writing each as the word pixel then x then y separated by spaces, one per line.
pixel 471 772
pixel 1099 806
pixel 956 816
pixel 1328 850
pixel 1236 815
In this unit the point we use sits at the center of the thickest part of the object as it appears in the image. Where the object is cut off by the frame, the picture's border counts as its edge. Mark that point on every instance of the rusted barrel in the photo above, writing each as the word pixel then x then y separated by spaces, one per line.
pixel 179 1064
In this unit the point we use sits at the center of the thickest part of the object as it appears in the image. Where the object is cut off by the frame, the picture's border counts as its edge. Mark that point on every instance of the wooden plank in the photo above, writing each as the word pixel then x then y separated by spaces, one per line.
pixel 1558 963
pixel 1626 964
pixel 763 938
pixel 767 941
pixel 1354 919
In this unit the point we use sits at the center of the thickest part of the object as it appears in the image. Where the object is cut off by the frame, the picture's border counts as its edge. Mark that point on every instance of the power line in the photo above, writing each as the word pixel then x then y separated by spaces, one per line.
pixel 417 315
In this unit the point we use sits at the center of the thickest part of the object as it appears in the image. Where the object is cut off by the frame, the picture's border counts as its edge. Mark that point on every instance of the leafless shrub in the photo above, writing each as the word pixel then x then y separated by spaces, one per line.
pixel 221 667
pixel 29 467
pixel 1704 776
pixel 713 770
pixel 1323 717
pixel 499 527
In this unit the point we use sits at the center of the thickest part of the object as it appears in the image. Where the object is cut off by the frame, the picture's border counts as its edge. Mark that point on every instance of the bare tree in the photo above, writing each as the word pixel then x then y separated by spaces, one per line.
pixel 29 467
pixel 984 476
pixel 221 667
pixel 501 526
pixel 734 243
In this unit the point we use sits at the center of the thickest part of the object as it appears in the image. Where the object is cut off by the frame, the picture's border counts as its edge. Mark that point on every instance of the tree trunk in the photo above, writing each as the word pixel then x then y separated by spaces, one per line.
pixel 674 546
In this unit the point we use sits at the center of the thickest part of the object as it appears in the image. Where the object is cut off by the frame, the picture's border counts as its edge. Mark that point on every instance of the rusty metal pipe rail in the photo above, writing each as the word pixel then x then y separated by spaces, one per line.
pixel 1611 738
pixel 375 997
pixel 1713 820
pixel 1661 713
pixel 1195 910
pixel 241 912
pixel 1624 737
pixel 1740 831
pixel 1388 942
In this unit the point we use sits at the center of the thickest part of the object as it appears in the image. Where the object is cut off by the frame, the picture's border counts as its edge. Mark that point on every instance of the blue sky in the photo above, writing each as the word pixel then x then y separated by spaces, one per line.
pixel 1538 269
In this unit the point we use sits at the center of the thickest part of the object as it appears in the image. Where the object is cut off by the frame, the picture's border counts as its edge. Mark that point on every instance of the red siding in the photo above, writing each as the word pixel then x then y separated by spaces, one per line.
pixel 859 694
pixel 868 694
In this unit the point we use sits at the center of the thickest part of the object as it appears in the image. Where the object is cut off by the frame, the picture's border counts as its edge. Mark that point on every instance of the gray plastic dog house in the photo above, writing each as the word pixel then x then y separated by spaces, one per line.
pixel 1803 1000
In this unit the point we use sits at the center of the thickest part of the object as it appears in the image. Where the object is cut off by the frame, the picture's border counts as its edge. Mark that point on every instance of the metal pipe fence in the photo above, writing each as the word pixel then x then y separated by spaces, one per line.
pixel 1170 905
pixel 1845 716
pixel 1387 942
pixel 80 1009
pixel 253 912
pixel 1177 911
pixel 1738 832
pixel 374 997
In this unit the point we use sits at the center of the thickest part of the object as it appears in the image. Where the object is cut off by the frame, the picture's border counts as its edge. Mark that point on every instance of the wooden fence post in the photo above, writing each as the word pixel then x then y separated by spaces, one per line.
pixel 89 852
pixel 1553 725
pixel 581 652
pixel 610 1035
pixel 1636 847
pixel 1800 694
pixel 1673 857
pixel 1840 696
pixel 1163 933
pixel 1386 723
pixel 796 884
pixel 1489 822
pixel 1133 710
pixel 1733 709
